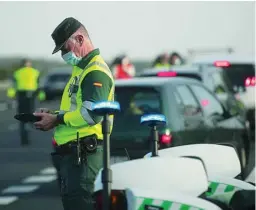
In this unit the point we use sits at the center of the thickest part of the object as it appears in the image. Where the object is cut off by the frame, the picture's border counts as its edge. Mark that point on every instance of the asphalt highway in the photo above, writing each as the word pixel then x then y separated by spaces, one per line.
pixel 27 178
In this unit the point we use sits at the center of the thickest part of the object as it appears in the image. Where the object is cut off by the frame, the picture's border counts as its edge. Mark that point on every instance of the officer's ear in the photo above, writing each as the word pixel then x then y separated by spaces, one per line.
pixel 80 39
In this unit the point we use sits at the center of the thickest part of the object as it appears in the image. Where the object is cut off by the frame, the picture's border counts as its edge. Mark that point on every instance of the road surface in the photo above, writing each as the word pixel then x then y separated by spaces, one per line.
pixel 27 178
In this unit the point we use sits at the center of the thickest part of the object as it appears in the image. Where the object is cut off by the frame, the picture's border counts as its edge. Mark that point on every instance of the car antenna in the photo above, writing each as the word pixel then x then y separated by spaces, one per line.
pixel 153 120
pixel 106 108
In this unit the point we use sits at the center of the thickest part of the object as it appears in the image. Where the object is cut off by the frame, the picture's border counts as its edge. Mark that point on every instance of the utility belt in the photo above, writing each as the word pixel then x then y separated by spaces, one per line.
pixel 80 147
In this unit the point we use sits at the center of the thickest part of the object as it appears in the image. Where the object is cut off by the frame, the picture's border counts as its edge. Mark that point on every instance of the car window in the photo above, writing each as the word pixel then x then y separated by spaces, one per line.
pixel 135 102
pixel 186 101
pixel 217 83
pixel 208 102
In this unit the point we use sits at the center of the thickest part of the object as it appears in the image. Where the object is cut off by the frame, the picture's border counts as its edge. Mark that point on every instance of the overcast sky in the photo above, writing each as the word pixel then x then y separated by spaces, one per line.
pixel 141 29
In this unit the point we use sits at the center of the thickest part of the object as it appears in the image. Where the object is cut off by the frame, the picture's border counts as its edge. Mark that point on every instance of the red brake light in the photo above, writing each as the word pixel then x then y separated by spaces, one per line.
pixel 253 81
pixel 166 139
pixel 167 74
pixel 221 64
pixel 250 81
pixel 118 200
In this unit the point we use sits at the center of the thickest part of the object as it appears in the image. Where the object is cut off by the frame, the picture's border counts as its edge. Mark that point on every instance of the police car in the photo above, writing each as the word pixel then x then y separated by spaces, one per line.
pixel 187 182
pixel 194 115
pixel 240 69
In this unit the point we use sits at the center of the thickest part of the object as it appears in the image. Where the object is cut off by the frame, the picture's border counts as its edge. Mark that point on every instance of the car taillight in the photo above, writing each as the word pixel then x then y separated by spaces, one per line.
pixel 250 81
pixel 221 64
pixel 165 139
pixel 118 200
pixel 167 74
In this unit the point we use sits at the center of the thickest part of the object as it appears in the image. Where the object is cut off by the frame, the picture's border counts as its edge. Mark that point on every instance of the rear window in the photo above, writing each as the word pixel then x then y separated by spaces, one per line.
pixel 135 102
pixel 238 73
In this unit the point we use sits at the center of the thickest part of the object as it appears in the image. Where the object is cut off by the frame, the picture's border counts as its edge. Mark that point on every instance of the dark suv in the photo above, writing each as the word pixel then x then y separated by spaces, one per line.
pixel 194 115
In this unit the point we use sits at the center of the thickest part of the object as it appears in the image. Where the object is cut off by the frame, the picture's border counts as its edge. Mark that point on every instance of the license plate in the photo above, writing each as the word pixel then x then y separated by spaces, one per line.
pixel 118 159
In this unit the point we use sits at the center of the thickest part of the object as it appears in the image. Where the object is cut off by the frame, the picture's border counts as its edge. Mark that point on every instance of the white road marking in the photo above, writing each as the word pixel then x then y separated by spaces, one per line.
pixel 50 170
pixel 20 189
pixel 40 179
pixel 6 200
pixel 251 176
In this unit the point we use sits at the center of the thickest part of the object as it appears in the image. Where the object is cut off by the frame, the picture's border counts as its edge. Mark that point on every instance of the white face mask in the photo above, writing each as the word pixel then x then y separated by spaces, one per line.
pixel 71 58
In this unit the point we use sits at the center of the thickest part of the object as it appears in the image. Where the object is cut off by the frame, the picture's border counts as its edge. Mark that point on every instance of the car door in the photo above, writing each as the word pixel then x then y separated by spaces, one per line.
pixel 194 129
pixel 225 128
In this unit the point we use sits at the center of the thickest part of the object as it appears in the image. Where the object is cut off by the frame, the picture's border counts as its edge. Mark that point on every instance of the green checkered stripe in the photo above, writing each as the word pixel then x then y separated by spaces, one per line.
pixel 220 188
pixel 165 205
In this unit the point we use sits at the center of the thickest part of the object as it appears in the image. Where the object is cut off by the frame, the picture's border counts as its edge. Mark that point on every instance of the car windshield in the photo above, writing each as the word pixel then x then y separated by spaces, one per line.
pixel 134 102
pixel 238 73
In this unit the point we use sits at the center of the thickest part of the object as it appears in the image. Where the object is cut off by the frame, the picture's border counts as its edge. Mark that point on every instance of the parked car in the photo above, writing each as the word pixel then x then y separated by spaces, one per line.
pixel 194 115
pixel 55 82
pixel 240 69
pixel 213 77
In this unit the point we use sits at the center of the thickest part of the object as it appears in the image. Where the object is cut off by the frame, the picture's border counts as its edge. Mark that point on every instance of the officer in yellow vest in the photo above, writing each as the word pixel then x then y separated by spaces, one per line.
pixel 162 61
pixel 25 84
pixel 25 89
pixel 91 82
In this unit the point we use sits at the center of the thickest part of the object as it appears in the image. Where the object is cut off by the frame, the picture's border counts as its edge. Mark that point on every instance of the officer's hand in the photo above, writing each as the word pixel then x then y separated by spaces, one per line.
pixel 43 110
pixel 47 122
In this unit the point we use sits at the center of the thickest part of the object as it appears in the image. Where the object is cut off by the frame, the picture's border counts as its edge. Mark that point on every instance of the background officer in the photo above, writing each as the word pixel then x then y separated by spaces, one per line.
pixel 91 82
pixel 25 88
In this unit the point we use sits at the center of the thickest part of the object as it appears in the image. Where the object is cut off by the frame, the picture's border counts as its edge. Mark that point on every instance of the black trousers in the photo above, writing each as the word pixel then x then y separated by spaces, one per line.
pixel 26 101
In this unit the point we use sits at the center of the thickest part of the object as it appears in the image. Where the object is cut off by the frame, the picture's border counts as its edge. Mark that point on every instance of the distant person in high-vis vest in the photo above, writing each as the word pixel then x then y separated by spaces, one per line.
pixel 25 87
pixel 91 82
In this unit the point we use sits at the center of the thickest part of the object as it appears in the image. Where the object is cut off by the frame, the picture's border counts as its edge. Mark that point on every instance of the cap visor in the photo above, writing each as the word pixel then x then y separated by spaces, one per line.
pixel 57 48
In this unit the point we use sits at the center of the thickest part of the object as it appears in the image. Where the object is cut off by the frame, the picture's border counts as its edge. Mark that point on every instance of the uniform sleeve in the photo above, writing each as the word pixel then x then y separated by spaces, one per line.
pixel 95 87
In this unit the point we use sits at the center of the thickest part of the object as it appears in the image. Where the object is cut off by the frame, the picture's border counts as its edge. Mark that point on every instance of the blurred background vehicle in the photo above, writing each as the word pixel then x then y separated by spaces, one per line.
pixel 194 115
pixel 213 77
pixel 240 70
pixel 55 81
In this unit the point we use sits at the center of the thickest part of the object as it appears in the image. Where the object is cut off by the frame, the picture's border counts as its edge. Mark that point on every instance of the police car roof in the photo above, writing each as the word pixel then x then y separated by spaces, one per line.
pixel 152 81
pixel 233 58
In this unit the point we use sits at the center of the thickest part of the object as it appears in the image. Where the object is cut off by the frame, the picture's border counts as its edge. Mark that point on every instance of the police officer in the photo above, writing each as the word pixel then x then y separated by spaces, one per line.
pixel 25 89
pixel 162 61
pixel 80 159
